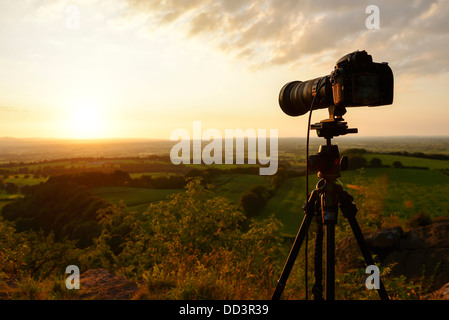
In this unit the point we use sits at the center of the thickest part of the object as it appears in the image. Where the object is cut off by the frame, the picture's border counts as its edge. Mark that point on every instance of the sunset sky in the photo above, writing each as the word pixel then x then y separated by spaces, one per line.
pixel 141 69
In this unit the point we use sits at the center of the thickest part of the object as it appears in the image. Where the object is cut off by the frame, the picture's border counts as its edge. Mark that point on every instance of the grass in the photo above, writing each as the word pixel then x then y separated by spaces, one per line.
pixel 136 199
pixel 402 192
pixel 20 180
pixel 286 205
pixel 233 185
pixel 408 161
pixel 153 174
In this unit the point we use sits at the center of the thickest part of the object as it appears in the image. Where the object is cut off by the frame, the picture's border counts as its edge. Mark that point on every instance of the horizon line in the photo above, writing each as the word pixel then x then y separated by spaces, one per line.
pixel 168 139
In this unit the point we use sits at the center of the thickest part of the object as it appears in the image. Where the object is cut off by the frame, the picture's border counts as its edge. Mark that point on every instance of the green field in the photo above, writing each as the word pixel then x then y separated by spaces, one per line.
pixel 402 192
pixel 405 191
pixel 408 161
pixel 22 179
pixel 136 199
pixel 152 174
pixel 233 185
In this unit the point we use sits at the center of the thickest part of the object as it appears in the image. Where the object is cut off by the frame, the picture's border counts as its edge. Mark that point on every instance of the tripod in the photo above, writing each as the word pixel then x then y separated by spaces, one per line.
pixel 323 203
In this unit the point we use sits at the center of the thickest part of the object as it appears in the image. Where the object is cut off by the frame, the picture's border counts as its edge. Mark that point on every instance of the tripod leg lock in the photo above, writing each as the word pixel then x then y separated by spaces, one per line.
pixel 310 207
pixel 329 208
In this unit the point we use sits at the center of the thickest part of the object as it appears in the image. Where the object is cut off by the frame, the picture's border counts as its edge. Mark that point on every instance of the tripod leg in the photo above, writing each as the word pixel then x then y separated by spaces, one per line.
pixel 292 256
pixel 365 252
pixel 309 213
pixel 330 261
pixel 317 289
pixel 349 211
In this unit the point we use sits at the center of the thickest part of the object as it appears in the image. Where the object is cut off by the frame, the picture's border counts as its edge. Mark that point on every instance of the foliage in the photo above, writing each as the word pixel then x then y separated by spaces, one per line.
pixel 194 245
pixel 351 285
pixel 64 208
pixel 375 163
pixel 254 199
pixel 356 162
pixel 120 178
pixel 30 260
pixel 398 164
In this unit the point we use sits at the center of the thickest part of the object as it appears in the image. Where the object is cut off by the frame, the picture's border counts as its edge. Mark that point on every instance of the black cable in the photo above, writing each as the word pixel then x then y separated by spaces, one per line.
pixel 319 86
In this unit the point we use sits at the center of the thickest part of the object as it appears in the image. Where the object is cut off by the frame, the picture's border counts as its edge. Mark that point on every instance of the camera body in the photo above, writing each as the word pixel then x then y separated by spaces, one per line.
pixel 355 81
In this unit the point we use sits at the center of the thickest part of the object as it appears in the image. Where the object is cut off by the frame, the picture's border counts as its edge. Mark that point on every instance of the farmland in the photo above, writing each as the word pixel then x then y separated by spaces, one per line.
pixel 135 199
pixel 403 192
pixel 145 218
pixel 394 191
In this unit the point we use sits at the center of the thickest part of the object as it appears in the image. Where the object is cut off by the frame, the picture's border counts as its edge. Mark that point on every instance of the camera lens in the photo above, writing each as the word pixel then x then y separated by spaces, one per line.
pixel 288 101
pixel 296 97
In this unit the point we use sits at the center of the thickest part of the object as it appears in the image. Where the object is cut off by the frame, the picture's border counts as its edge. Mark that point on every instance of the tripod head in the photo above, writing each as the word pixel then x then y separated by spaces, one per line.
pixel 327 161
pixel 332 127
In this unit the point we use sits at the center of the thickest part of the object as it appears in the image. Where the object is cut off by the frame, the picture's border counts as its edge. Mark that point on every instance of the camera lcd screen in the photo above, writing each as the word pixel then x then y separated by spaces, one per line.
pixel 365 89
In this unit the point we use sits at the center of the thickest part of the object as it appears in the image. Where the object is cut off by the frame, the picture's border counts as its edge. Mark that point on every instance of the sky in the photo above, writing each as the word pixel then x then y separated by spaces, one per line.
pixel 142 69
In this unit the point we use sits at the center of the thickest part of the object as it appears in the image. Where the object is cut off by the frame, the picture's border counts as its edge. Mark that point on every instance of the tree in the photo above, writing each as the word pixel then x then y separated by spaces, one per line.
pixel 251 203
pixel 254 199
pixel 398 164
pixel 356 162
pixel 11 188
pixel 376 163
pixel 66 209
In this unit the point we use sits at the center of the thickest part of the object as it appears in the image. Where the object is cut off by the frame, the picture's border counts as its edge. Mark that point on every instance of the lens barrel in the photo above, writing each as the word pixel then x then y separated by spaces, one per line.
pixel 296 97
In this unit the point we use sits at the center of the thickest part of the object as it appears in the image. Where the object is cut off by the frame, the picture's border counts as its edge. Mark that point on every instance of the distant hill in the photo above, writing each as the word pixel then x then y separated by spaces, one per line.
pixel 38 149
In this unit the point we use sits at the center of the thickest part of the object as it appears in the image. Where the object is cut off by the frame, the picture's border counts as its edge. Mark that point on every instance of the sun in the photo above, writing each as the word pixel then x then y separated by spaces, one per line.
pixel 87 120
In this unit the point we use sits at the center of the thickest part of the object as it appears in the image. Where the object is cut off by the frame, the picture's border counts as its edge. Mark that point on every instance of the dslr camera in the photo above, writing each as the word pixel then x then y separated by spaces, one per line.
pixel 355 81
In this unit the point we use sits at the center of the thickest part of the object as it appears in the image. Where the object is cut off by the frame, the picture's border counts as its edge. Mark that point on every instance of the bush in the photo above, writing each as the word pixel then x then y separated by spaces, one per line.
pixel 376 163
pixel 398 164
pixel 254 199
pixel 66 209
pixel 356 162
pixel 193 246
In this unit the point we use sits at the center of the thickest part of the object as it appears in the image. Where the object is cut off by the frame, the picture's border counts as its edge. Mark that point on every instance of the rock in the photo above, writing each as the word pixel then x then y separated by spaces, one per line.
pixel 100 284
pixel 421 253
pixel 435 235
pixel 441 294
pixel 384 238
pixel 379 242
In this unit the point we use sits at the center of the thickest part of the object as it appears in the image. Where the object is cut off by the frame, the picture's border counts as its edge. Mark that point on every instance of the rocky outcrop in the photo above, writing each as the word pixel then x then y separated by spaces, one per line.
pixel 420 252
pixel 441 294
pixel 100 284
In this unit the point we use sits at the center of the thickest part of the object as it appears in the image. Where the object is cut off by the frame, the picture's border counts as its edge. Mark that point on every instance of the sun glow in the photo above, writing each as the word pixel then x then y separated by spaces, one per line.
pixel 87 120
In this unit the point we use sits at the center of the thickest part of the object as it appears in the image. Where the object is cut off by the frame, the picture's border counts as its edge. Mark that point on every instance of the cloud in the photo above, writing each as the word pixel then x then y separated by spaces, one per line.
pixel 413 35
